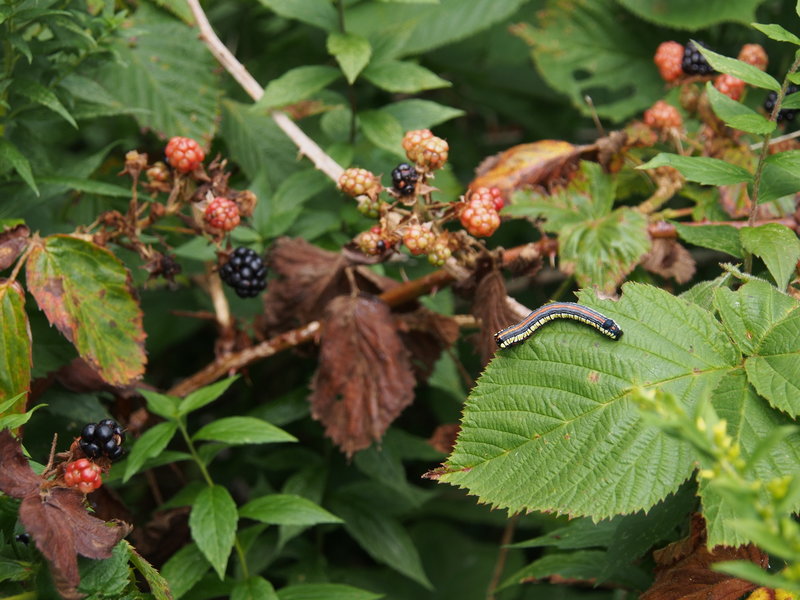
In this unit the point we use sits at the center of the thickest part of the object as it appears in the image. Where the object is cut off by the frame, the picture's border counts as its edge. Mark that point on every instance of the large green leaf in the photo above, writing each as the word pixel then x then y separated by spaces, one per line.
pixel 243 430
pixel 702 169
pixel 737 115
pixel 598 244
pixel 297 84
pixel 86 292
pixel 718 237
pixel 10 154
pixel 780 177
pixel 403 77
pixel 184 569
pixel 213 523
pixel 167 71
pixel 313 12
pixel 592 47
pixel 253 588
pixel 286 509
pixel 750 422
pixel 352 52
pixel 689 14
pixel 152 443
pixel 275 213
pixel 551 426
pixel 744 71
pixel 36 92
pixel 777 246
pixel 15 346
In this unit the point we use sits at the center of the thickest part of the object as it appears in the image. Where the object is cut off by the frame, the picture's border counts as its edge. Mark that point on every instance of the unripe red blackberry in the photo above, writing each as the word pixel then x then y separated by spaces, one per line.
pixel 433 153
pixel 754 54
pixel 668 59
pixel 479 219
pixel 662 116
pixel 404 179
pixel 245 272
pixel 694 63
pixel 440 251
pixel 184 154
pixel 418 238
pixel 158 172
pixel 357 182
pixel 370 243
pixel 222 214
pixel 412 143
pixel 731 86
pixel 83 475
pixel 489 197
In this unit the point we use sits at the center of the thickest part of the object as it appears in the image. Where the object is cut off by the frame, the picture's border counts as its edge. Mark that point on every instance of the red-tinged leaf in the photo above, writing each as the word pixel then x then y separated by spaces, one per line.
pixel 539 163
pixel 364 378
pixel 683 569
pixel 12 243
pixel 86 292
pixel 58 522
pixel 15 346
pixel 17 479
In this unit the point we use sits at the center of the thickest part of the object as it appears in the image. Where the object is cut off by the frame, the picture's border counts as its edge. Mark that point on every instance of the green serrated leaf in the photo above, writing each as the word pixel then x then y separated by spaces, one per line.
pixel 253 588
pixel 109 576
pixel 213 524
pixel 156 582
pixel 580 49
pixel 776 360
pixel 168 73
pixel 791 101
pixel 777 246
pixel 152 442
pixel 383 130
pixel 313 12
pixel 702 169
pixel 687 14
pixel 780 177
pixel 777 33
pixel 740 69
pixel 15 348
pixel 750 421
pixel 296 85
pixel 86 292
pixel 550 425
pixel 90 186
pixel 403 77
pixel 37 93
pixel 11 155
pixel 184 569
pixel 161 404
pixel 737 115
pixel 325 591
pixel 717 237
pixel 286 509
pixel 352 52
pixel 421 114
pixel 204 396
pixel 243 430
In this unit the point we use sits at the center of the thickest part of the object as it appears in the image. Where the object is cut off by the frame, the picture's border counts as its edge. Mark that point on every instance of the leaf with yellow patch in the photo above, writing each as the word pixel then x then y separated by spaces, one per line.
pixel 85 291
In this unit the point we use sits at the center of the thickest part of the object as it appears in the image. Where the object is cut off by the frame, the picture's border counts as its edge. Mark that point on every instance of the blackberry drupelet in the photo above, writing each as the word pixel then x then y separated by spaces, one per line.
pixel 245 272
pixel 404 179
pixel 102 439
pixel 787 114
pixel 693 62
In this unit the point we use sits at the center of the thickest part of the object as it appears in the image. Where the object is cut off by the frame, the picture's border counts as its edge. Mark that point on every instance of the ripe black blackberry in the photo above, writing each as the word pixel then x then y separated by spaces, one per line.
pixel 102 439
pixel 245 272
pixel 693 62
pixel 786 114
pixel 404 179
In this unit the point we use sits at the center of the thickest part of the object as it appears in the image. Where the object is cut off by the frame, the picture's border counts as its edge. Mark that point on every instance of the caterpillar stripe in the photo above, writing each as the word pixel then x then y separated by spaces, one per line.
pixel 556 310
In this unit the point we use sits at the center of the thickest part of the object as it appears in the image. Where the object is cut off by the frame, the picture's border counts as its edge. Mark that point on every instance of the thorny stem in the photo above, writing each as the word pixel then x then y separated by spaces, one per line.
pixel 210 482
pixel 748 257
pixel 225 57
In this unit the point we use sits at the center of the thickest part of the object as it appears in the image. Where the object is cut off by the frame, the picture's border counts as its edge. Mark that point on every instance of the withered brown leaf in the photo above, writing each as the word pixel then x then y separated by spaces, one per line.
pixel 12 243
pixel 426 334
pixel 494 312
pixel 364 379
pixel 444 437
pixel 56 518
pixel 683 569
pixel 669 258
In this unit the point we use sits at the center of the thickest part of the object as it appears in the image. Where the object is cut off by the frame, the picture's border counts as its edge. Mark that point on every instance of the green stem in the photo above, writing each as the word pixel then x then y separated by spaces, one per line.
pixel 748 258
pixel 196 457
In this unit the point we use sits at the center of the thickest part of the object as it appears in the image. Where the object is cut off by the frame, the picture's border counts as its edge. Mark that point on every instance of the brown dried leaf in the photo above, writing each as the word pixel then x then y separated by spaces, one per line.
pixel 59 524
pixel 683 569
pixel 444 437
pixel 12 243
pixel 364 379
pixel 491 307
pixel 669 259
pixel 17 479
pixel 426 334
pixel 539 163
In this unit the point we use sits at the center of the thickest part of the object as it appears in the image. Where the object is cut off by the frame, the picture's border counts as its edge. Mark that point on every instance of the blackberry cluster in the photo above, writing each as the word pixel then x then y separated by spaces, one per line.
pixel 786 114
pixel 245 272
pixel 404 179
pixel 693 62
pixel 102 439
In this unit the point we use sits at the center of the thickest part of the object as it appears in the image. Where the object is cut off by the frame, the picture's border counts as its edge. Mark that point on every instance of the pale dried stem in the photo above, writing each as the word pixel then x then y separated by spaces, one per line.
pixel 218 300
pixel 225 57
